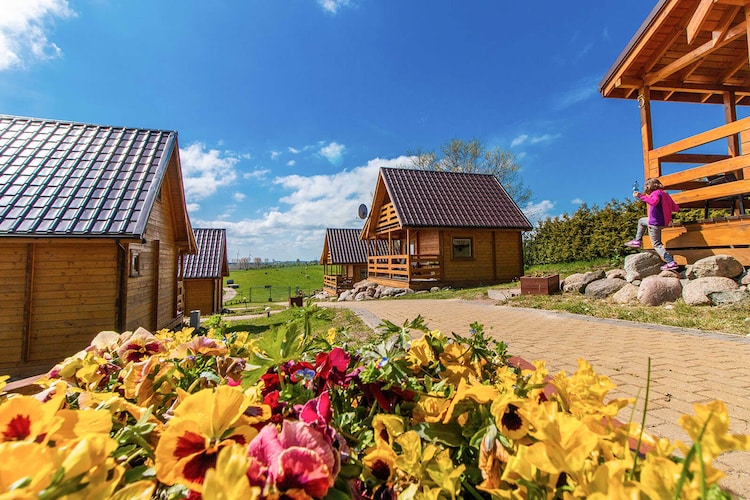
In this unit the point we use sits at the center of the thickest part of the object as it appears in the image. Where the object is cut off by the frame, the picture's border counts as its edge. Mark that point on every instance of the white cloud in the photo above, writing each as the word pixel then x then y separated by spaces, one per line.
pixel 205 171
pixel 239 196
pixel 193 207
pixel 577 201
pixel 294 151
pixel 583 89
pixel 544 138
pixel 290 163
pixel 333 6
pixel 334 152
pixel 296 228
pixel 519 140
pixel 275 154
pixel 536 212
pixel 256 174
pixel 23 27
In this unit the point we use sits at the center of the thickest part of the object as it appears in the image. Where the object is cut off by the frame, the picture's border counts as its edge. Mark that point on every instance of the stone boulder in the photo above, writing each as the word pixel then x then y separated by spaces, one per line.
pixel 657 290
pixel 724 266
pixel 578 282
pixel 601 289
pixel 730 297
pixel 616 273
pixel 641 265
pixel 626 294
pixel 697 292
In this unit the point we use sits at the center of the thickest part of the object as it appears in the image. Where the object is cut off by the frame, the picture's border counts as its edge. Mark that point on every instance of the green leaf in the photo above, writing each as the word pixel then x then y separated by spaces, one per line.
pixel 447 434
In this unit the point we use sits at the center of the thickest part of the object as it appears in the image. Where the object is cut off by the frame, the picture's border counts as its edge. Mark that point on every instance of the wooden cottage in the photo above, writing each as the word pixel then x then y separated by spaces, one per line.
pixel 93 224
pixel 695 51
pixel 204 272
pixel 344 259
pixel 443 229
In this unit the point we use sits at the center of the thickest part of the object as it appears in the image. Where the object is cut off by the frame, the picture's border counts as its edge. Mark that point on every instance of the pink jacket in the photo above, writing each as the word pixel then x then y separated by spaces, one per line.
pixel 660 207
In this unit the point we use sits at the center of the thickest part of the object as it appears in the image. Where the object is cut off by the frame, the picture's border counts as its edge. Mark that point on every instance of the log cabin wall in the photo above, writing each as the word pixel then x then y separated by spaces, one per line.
pixel 54 302
pixel 496 257
pixel 152 291
pixel 201 295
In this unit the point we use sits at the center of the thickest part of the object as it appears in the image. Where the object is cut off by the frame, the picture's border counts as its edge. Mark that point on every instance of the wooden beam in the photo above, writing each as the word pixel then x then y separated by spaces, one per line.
pixel 702 138
pixel 698 20
pixel 733 67
pixel 668 42
pixel 725 23
pixel 697 54
pixel 730 115
pixel 719 167
pixel 692 158
pixel 647 135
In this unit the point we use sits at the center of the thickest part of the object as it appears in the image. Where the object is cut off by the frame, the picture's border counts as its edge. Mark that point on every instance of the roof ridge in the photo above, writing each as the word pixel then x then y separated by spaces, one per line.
pixel 86 124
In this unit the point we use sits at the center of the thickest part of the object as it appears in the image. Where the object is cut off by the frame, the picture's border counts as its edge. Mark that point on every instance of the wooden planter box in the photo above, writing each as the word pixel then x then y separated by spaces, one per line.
pixel 540 285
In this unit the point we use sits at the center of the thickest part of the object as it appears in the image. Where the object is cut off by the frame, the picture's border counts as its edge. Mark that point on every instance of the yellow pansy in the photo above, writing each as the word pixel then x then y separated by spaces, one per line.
pixel 35 462
pixel 386 428
pixel 564 441
pixel 430 409
pixel 469 389
pixel 381 461
pixel 229 480
pixel 712 421
pixel 203 424
pixel 420 354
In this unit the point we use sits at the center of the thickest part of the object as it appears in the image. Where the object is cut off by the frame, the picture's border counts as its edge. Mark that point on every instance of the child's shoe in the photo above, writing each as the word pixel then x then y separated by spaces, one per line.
pixel 633 244
pixel 669 266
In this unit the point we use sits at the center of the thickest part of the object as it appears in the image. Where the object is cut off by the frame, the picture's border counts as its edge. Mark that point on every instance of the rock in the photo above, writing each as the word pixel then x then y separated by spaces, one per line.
pixel 626 294
pixel 362 296
pixel 696 292
pixel 577 283
pixel 716 265
pixel 616 273
pixel 601 289
pixel 745 279
pixel 669 274
pixel 641 265
pixel 729 298
pixel 657 290
pixel 345 295
pixel 434 289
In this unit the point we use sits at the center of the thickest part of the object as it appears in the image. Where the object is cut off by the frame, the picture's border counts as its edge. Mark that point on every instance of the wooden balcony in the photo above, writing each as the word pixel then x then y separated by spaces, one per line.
pixel 718 181
pixel 412 271
pixel 336 283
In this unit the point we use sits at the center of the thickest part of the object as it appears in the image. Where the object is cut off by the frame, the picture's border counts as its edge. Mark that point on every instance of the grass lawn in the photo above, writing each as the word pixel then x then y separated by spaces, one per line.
pixel 281 280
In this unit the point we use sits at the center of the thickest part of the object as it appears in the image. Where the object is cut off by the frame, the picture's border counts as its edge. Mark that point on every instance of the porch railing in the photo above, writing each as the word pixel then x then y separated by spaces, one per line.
pixel 722 178
pixel 337 283
pixel 405 267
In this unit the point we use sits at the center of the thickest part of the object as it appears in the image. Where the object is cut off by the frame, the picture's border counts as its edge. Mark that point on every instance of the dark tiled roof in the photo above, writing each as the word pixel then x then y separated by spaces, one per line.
pixel 75 179
pixel 345 246
pixel 426 198
pixel 211 259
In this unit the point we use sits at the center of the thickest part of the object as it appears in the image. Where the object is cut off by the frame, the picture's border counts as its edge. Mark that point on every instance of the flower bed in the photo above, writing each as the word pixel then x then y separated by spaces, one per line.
pixel 297 415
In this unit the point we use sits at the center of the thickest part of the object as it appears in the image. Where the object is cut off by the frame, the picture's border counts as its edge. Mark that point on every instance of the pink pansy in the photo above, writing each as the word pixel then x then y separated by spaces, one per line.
pixel 317 411
pixel 297 458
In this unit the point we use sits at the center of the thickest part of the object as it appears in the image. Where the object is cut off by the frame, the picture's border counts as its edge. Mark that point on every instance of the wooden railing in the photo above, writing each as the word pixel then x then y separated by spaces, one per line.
pixel 337 283
pixel 404 267
pixel 720 177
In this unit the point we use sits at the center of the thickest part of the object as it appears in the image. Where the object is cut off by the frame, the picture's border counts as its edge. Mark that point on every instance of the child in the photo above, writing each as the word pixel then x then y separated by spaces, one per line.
pixel 660 208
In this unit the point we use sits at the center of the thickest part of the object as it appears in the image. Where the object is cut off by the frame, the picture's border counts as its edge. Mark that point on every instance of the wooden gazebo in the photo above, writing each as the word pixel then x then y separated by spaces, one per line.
pixel 695 51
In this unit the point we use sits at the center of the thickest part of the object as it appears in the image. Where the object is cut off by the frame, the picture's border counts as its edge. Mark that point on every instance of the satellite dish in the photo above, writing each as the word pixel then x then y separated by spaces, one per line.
pixel 362 211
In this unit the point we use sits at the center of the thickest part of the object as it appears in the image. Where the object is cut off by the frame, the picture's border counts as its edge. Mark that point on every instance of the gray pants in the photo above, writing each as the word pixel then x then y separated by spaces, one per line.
pixel 654 232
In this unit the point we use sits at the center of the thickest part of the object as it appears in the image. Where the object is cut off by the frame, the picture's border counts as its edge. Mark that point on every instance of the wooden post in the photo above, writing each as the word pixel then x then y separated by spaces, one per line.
pixel 647 134
pixel 156 258
pixel 730 115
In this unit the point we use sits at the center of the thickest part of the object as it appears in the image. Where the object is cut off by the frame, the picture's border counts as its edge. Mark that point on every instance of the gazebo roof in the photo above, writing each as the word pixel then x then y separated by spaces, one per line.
pixel 687 51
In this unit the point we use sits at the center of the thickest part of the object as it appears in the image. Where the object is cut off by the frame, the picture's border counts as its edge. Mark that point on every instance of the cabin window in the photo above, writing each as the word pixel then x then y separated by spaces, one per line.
pixel 135 263
pixel 463 248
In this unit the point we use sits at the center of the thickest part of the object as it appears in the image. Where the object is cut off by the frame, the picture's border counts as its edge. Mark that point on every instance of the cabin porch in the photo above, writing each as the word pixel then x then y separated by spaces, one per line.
pixel 418 272
pixel 707 181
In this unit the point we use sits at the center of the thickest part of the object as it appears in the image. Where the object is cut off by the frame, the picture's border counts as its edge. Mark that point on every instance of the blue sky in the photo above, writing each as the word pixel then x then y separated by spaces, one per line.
pixel 286 109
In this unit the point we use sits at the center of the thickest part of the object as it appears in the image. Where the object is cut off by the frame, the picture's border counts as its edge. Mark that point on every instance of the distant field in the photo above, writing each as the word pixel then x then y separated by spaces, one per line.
pixel 282 281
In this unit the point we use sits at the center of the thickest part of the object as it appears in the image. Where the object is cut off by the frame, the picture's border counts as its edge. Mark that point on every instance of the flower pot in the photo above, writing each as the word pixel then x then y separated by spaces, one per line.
pixel 540 285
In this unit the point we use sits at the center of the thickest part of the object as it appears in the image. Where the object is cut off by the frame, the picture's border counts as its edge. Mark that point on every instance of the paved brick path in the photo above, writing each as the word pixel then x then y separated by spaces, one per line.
pixel 686 366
